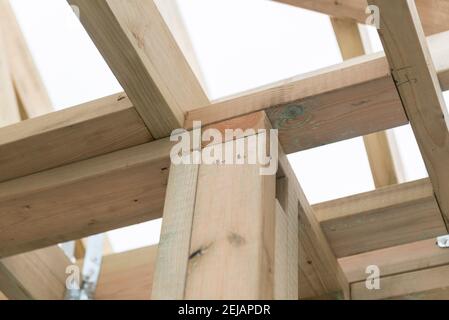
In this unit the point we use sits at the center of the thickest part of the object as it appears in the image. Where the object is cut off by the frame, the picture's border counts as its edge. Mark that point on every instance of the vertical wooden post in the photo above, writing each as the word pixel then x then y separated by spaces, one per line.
pixel 218 233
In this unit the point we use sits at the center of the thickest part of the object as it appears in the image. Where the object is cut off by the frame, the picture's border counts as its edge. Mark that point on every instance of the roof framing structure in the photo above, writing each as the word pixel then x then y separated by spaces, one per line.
pixel 69 174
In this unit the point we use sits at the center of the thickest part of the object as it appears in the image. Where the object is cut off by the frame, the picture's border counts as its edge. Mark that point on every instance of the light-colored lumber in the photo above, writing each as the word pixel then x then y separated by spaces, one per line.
pixel 434 14
pixel 319 271
pixel 37 275
pixel 84 198
pixel 281 258
pixel 382 218
pixel 232 244
pixel 144 56
pixel 404 270
pixel 28 84
pixel 70 135
pixel 288 201
pixel 416 79
pixel 9 108
pixel 173 254
pixel 127 275
pixel 376 144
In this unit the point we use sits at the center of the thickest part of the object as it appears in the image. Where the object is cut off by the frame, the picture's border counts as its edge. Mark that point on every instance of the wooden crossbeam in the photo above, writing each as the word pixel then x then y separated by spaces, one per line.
pixel 144 56
pixel 434 14
pixel 376 144
pixel 382 218
pixel 31 92
pixel 404 270
pixel 105 120
pixel 417 83
pixel 37 275
pixel 70 135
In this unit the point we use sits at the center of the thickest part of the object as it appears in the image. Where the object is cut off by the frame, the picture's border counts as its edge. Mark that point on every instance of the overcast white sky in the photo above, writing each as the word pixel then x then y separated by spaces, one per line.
pixel 240 44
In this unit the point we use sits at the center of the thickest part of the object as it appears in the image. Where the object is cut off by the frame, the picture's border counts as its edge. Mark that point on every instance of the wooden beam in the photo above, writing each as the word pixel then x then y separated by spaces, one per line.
pixel 417 83
pixel 37 275
pixel 382 218
pixel 127 275
pixel 9 111
pixel 173 256
pixel 144 56
pixel 115 190
pixel 404 270
pixel 28 84
pixel 74 134
pixel 434 14
pixel 319 271
pixel 376 144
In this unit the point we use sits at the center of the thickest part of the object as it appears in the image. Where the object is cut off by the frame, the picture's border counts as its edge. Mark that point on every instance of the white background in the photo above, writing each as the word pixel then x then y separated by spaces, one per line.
pixel 240 44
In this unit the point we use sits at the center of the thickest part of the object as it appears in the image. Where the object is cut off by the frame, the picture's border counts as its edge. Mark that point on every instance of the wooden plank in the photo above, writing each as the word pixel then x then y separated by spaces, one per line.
pixel 173 254
pixel 417 83
pixel 127 275
pixel 319 270
pixel 9 110
pixel 232 244
pixel 318 108
pixel 70 135
pixel 404 270
pixel 30 89
pixel 434 14
pixel 144 56
pixel 115 190
pixel 281 259
pixel 376 144
pixel 382 218
pixel 39 275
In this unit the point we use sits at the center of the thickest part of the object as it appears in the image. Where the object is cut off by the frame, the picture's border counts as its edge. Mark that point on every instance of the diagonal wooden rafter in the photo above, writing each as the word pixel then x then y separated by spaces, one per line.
pixel 144 56
pixel 417 83
pixel 434 14
pixel 31 92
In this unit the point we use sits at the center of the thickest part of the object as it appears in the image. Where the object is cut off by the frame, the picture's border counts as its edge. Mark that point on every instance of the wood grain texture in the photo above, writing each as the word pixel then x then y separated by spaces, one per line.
pixel 127 275
pixel 434 14
pixel 319 271
pixel 382 218
pixel 318 108
pixel 233 234
pixel 404 270
pixel 144 56
pixel 28 84
pixel 91 196
pixel 416 79
pixel 70 135
pixel 376 144
pixel 281 259
pixel 173 254
pixel 9 108
pixel 37 275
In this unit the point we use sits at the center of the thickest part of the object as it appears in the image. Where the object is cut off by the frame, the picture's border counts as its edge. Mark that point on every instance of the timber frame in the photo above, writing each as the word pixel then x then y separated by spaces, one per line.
pixel 227 231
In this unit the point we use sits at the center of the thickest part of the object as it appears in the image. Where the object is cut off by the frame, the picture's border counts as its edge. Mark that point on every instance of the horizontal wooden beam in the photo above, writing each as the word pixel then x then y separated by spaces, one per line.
pixel 404 270
pixel 91 196
pixel 318 107
pixel 144 56
pixel 382 218
pixel 434 14
pixel 36 275
pixel 70 135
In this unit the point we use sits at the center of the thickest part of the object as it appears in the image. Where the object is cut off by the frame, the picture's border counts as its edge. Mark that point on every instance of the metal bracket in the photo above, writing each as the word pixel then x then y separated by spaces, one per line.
pixel 91 270
pixel 443 241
